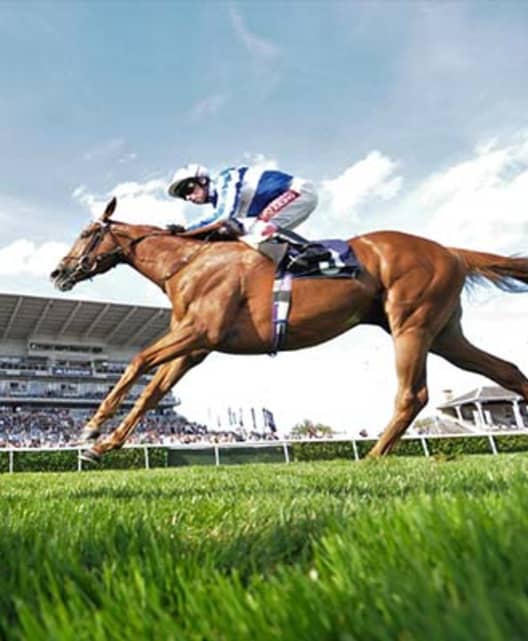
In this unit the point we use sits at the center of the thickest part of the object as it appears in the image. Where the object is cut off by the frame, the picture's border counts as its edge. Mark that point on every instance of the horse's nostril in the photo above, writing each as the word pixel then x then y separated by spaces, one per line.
pixel 54 273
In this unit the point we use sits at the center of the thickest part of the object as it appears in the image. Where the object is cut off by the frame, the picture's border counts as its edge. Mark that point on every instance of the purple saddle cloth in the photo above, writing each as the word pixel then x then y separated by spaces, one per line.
pixel 340 262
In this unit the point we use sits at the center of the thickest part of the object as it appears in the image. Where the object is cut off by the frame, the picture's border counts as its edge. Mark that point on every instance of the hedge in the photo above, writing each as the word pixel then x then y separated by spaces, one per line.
pixel 67 460
pixel 134 458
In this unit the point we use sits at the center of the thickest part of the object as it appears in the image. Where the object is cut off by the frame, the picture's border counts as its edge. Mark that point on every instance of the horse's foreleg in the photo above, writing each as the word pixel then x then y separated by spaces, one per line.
pixel 184 338
pixel 411 353
pixel 165 378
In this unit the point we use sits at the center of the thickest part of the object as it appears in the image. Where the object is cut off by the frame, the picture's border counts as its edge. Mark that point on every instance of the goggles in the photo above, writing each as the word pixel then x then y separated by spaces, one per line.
pixel 187 188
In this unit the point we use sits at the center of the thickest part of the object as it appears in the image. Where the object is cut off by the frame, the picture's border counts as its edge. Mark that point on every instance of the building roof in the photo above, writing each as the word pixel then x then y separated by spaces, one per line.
pixel 444 425
pixel 23 318
pixel 485 394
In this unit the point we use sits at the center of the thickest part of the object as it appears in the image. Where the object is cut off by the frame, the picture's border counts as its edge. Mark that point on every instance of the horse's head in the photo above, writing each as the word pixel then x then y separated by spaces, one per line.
pixel 95 251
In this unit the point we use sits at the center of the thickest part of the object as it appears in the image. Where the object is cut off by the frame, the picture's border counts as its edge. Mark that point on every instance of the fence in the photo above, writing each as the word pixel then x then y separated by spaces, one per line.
pixel 268 451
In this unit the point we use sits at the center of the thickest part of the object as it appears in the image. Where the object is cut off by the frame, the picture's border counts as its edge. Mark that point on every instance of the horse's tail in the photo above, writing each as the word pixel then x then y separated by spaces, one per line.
pixel 509 273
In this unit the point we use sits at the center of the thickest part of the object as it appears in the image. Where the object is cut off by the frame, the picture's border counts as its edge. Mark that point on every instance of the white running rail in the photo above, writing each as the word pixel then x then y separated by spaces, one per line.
pixel 283 444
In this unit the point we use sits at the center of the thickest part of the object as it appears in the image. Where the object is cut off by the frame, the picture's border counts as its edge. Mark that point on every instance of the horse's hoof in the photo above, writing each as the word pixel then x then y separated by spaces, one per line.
pixel 88 436
pixel 90 456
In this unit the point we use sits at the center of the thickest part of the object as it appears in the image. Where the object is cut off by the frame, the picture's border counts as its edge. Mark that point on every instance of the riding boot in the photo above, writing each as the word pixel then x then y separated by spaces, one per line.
pixel 274 250
pixel 310 252
pixel 291 237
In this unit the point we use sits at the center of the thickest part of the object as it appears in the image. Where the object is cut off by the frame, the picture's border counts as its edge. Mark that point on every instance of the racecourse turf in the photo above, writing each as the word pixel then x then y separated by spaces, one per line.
pixel 395 550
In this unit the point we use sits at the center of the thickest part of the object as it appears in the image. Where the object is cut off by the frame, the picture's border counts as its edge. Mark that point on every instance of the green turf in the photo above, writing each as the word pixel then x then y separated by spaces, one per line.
pixel 398 550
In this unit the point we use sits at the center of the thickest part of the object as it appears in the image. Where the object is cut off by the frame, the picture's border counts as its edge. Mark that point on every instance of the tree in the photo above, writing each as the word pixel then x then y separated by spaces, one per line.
pixel 309 429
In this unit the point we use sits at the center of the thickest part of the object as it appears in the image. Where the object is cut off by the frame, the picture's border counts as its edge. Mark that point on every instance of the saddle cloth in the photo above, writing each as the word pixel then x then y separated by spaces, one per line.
pixel 341 262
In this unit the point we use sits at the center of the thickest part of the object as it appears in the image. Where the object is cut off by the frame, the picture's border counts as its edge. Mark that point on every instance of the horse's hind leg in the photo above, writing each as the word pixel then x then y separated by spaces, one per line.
pixel 416 314
pixel 411 352
pixel 452 345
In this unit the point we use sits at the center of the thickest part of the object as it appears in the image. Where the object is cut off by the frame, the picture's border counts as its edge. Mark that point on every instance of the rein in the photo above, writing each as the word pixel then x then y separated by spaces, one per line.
pixel 86 265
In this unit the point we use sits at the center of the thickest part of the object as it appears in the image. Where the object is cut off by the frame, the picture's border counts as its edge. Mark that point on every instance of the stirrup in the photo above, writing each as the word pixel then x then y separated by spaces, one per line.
pixel 310 255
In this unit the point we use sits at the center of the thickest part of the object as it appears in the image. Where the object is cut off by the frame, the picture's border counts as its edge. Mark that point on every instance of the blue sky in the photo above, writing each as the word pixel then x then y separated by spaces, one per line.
pixel 407 115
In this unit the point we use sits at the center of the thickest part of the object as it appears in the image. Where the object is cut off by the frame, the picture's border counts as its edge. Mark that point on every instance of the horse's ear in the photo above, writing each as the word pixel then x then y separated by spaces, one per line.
pixel 110 208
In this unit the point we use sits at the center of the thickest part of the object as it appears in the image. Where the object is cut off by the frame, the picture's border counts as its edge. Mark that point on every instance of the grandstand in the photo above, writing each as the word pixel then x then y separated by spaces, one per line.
pixel 69 353
pixel 59 358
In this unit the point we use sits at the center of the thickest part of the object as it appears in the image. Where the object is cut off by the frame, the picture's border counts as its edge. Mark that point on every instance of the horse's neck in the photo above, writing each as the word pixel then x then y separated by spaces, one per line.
pixel 155 254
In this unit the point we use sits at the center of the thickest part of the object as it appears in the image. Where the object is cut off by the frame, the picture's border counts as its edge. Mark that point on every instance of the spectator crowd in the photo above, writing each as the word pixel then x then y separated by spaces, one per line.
pixel 62 427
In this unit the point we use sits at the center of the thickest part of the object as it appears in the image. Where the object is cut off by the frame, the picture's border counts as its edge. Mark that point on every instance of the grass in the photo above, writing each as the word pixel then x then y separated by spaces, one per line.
pixel 399 550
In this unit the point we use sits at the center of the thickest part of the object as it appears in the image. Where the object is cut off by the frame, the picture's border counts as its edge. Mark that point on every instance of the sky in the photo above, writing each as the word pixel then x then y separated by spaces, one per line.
pixel 406 115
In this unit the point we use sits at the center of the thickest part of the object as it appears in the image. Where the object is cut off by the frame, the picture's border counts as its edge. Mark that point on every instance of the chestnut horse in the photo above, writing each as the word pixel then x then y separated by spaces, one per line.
pixel 221 301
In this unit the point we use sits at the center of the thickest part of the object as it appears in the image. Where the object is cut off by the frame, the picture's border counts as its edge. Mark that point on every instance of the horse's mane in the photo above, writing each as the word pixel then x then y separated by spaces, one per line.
pixel 209 236
pixel 153 228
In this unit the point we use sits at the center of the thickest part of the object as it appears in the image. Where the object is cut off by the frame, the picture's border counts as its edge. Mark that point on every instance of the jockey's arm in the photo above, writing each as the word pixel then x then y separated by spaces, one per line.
pixel 226 200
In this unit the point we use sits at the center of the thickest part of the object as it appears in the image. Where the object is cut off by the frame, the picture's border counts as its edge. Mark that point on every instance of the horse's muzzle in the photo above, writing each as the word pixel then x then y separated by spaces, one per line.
pixel 62 278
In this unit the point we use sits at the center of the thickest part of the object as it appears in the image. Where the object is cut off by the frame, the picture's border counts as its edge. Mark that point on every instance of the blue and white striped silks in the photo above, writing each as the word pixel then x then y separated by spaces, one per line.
pixel 242 192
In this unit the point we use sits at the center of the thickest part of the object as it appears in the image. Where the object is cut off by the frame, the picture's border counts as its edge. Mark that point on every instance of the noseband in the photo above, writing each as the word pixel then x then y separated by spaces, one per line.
pixel 86 264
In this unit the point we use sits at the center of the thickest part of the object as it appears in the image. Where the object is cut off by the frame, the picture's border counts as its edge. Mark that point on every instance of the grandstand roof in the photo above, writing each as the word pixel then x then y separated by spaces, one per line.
pixel 485 394
pixel 28 317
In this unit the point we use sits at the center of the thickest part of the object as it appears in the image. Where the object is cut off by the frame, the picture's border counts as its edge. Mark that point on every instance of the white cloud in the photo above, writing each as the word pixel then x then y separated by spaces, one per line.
pixel 208 106
pixel 113 148
pixel 138 203
pixel 25 257
pixel 479 202
pixel 370 178
pixel 260 161
pixel 257 46
pixel 106 148
pixel 264 73
pixel 128 157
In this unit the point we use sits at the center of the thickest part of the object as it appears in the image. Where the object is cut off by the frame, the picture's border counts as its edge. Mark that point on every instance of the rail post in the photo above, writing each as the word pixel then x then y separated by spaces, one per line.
pixel 492 443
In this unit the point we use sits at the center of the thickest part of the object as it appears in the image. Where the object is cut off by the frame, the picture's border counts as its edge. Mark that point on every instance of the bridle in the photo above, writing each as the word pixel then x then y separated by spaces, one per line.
pixel 86 265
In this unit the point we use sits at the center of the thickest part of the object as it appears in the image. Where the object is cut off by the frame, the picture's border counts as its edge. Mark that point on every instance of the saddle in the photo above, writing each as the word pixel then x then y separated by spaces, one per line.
pixel 318 259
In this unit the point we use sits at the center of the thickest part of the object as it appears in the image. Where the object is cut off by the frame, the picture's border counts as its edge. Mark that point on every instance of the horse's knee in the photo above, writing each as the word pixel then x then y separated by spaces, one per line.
pixel 412 400
pixel 137 366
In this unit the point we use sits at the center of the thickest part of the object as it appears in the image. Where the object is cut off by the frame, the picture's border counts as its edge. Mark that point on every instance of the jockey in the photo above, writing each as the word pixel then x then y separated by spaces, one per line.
pixel 255 204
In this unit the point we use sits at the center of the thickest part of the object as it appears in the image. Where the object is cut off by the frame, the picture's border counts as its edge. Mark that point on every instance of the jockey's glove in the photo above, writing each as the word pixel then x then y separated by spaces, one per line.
pixel 175 229
pixel 232 227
